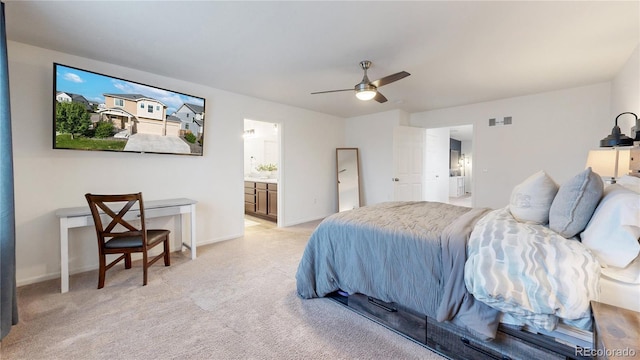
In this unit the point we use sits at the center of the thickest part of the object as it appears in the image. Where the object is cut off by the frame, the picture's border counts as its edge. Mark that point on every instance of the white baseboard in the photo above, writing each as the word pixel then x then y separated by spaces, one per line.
pixel 56 275
pixel 225 238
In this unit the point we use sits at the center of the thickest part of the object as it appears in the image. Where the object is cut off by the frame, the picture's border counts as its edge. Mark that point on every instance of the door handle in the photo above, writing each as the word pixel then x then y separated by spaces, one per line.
pixel 395 179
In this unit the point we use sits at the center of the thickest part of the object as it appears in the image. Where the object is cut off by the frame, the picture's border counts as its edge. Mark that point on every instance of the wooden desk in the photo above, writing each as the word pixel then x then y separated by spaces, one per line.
pixel 616 332
pixel 81 216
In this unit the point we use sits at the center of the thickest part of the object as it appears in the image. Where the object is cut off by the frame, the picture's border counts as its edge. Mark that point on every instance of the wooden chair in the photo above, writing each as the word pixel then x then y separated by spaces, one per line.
pixel 120 236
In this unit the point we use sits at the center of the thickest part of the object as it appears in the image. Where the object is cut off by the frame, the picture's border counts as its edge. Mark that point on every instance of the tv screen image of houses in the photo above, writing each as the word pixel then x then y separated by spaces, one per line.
pixel 92 111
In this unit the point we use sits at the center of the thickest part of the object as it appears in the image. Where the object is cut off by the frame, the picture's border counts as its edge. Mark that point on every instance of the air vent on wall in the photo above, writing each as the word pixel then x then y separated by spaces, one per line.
pixel 504 121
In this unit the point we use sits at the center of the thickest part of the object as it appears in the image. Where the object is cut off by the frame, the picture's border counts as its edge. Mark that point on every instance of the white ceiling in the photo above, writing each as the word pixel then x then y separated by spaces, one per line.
pixel 457 52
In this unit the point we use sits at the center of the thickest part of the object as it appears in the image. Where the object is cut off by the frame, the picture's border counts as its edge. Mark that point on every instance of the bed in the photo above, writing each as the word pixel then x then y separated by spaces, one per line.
pixel 513 283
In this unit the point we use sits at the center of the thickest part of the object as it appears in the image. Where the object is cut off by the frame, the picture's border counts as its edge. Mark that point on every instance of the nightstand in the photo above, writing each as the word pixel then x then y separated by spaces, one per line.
pixel 616 332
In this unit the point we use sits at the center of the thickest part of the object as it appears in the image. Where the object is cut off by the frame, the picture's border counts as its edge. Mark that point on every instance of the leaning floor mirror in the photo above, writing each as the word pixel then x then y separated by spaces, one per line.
pixel 348 176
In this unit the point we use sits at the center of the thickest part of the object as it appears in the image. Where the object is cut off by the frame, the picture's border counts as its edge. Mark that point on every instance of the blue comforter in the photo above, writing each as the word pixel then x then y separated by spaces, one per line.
pixel 410 253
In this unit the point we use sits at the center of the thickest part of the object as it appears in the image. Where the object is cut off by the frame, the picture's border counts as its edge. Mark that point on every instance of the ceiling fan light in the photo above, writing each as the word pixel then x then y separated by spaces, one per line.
pixel 364 90
pixel 366 95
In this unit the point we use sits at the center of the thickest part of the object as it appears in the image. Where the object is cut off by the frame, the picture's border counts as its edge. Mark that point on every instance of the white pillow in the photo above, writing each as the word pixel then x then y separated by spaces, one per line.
pixel 531 200
pixel 630 182
pixel 614 229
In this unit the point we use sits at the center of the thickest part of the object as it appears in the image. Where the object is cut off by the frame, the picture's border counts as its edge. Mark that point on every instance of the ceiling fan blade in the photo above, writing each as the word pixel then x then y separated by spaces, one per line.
pixel 330 91
pixel 379 97
pixel 389 79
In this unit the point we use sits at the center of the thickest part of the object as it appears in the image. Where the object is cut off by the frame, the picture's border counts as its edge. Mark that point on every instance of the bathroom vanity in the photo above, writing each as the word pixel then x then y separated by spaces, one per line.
pixel 261 198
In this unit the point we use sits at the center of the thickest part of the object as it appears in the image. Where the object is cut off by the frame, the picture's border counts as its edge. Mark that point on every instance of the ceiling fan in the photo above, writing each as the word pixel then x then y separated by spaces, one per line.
pixel 367 90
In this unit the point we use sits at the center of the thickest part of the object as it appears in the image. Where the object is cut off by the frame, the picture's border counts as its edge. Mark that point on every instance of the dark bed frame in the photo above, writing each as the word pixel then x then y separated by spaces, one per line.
pixel 450 340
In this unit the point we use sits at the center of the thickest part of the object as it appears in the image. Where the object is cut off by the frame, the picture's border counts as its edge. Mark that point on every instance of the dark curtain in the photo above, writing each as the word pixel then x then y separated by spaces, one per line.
pixel 8 302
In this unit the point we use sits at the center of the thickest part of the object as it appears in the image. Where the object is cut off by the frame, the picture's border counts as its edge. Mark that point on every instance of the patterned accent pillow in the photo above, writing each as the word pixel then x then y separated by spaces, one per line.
pixel 531 200
pixel 575 202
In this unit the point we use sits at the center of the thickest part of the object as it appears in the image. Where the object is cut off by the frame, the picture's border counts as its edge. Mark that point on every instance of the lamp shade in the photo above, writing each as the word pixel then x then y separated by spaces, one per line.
pixel 603 162
pixel 617 138
pixel 624 162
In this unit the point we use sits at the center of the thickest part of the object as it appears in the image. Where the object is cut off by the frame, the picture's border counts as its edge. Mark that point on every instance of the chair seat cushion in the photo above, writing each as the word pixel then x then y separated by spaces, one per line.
pixel 124 242
pixel 135 241
pixel 154 235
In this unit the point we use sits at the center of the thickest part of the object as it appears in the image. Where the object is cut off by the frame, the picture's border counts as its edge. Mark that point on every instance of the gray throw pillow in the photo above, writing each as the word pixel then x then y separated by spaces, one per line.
pixel 575 202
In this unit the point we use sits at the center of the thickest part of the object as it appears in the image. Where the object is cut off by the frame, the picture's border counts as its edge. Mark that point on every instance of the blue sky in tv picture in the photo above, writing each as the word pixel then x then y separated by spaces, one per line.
pixel 100 112
pixel 92 86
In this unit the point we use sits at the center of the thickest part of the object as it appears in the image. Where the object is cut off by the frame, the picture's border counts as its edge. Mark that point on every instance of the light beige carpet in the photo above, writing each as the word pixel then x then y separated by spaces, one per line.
pixel 237 300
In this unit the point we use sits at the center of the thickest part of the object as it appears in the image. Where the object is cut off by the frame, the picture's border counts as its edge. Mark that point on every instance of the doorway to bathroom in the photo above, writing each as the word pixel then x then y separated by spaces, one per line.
pixel 261 173
pixel 460 161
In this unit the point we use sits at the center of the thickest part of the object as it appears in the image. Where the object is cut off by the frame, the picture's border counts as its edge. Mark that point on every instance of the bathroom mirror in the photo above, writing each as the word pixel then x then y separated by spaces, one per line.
pixel 348 176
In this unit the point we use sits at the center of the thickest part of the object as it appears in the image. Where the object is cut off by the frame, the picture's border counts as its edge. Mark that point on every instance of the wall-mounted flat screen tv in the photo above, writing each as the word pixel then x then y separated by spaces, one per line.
pixel 93 111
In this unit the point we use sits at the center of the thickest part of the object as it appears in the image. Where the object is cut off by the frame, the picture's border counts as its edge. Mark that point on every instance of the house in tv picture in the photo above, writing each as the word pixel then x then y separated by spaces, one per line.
pixel 136 113
pixel 63 96
pixel 192 118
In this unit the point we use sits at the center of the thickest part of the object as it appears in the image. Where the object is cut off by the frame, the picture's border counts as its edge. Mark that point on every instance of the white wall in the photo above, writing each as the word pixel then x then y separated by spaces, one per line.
pixel 47 179
pixel 625 94
pixel 373 135
pixel 551 131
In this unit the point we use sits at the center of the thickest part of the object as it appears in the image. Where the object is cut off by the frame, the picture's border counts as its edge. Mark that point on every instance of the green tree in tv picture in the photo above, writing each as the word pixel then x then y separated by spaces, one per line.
pixel 104 129
pixel 72 118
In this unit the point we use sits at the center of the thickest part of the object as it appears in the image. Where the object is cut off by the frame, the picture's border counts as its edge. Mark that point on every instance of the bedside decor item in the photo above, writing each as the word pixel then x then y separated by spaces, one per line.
pixel 604 162
pixel 92 111
pixel 612 162
pixel 617 138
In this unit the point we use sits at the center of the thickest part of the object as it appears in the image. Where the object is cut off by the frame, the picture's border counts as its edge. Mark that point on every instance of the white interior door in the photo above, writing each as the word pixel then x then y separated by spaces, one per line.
pixel 436 174
pixel 408 163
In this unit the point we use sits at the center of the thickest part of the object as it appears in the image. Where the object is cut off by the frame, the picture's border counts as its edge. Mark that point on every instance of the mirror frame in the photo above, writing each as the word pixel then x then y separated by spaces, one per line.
pixel 338 171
